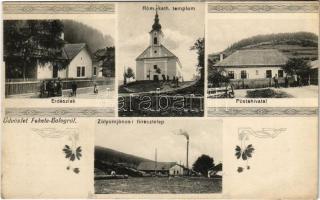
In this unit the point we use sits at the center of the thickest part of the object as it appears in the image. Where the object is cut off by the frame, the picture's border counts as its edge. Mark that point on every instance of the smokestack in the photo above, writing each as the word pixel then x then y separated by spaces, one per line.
pixel 185 134
pixel 187 155
pixel 155 161
pixel 221 56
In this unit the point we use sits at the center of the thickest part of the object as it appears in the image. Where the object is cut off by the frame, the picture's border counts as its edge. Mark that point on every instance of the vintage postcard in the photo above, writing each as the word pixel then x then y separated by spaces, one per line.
pixel 160 100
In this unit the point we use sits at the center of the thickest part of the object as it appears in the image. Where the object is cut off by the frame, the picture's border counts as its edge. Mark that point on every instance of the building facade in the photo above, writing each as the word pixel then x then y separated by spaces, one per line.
pixel 79 64
pixel 156 62
pixel 253 64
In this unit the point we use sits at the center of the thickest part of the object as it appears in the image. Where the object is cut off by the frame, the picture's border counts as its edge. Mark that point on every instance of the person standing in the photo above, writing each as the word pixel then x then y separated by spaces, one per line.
pixel 59 88
pixel 42 89
pixel 74 88
pixel 286 81
pixel 50 88
pixel 295 78
pixel 275 79
pixel 95 89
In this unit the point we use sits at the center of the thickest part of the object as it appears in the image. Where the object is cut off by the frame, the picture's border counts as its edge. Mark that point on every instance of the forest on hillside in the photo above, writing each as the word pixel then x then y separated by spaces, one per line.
pixel 76 32
pixel 304 39
pixel 112 156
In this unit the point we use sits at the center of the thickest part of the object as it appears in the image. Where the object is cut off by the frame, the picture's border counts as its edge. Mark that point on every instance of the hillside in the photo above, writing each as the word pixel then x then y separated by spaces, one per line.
pixel 76 32
pixel 115 157
pixel 300 44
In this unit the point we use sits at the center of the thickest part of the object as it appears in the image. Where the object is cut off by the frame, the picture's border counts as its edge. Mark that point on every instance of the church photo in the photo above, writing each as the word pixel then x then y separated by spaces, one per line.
pixel 161 53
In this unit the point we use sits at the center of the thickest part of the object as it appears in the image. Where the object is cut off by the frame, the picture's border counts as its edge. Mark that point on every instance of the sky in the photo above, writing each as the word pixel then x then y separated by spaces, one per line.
pixel 181 29
pixel 142 140
pixel 226 29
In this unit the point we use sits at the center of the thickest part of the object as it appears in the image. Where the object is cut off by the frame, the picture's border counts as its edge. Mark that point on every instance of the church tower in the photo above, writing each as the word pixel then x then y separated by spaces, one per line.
pixel 156 35
pixel 157 62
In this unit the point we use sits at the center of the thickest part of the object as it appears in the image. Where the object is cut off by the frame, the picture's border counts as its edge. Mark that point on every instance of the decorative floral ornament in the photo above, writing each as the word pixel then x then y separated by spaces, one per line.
pixel 245 151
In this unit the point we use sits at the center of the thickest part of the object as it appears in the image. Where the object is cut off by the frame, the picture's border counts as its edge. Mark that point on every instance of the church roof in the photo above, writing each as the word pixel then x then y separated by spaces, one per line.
pixel 165 53
pixel 254 57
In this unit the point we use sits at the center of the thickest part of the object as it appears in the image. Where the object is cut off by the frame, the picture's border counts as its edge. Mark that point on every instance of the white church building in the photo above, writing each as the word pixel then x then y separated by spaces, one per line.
pixel 156 61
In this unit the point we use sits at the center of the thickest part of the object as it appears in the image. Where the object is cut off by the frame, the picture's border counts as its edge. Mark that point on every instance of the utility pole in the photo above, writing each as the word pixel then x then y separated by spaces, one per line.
pixel 187 165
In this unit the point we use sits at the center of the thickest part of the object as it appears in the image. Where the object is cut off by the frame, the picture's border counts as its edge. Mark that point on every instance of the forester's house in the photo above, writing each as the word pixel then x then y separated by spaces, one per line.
pixel 253 66
pixel 164 168
pixel 79 64
pixel 157 61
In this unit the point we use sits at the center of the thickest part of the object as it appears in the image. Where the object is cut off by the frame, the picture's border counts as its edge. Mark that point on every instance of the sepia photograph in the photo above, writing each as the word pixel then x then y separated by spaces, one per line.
pixel 161 59
pixel 175 157
pixel 263 56
pixel 59 58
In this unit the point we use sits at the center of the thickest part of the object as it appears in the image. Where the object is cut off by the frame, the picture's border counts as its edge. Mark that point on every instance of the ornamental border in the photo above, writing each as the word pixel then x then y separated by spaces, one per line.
pixel 262 111
pixel 61 112
pixel 58 8
pixel 264 7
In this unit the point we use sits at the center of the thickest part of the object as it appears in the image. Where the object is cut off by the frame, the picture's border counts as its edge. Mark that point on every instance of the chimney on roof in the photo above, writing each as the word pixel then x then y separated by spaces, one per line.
pixel 221 56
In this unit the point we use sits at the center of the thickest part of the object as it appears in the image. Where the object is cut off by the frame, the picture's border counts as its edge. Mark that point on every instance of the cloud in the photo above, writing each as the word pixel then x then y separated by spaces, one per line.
pixel 135 43
pixel 174 39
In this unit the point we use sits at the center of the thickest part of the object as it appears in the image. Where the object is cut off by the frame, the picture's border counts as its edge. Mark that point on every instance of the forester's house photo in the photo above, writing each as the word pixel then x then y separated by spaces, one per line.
pixel 269 60
pixel 59 58
pixel 160 56
pixel 175 158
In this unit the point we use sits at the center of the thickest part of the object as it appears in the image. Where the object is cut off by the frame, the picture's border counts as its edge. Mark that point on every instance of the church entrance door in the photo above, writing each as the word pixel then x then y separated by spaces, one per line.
pixel 155 77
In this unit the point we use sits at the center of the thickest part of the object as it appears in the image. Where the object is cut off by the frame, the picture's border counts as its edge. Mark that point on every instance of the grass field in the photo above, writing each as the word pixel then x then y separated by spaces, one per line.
pixel 158 185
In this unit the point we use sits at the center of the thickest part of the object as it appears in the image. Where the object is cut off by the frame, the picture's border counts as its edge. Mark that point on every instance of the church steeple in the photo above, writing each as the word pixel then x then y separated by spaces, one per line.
pixel 156 25
pixel 156 34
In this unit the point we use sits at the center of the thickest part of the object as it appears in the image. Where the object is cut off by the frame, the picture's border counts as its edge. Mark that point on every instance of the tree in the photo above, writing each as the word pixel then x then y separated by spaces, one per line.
pixel 297 66
pixel 216 75
pixel 27 42
pixel 199 46
pixel 129 73
pixel 107 57
pixel 203 164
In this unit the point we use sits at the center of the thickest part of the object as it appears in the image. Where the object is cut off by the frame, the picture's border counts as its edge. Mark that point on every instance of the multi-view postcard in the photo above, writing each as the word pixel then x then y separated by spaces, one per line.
pixel 160 100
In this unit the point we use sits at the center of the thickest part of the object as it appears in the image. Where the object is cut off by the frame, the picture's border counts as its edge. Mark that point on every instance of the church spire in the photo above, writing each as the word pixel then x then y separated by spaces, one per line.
pixel 156 25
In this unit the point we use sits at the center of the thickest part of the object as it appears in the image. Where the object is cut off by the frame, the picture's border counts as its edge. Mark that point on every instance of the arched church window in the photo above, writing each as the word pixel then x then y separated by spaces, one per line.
pixel 155 40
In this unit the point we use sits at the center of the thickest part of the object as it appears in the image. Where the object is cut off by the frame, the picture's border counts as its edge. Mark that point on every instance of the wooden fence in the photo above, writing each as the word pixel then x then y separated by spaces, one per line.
pixel 255 83
pixel 23 87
